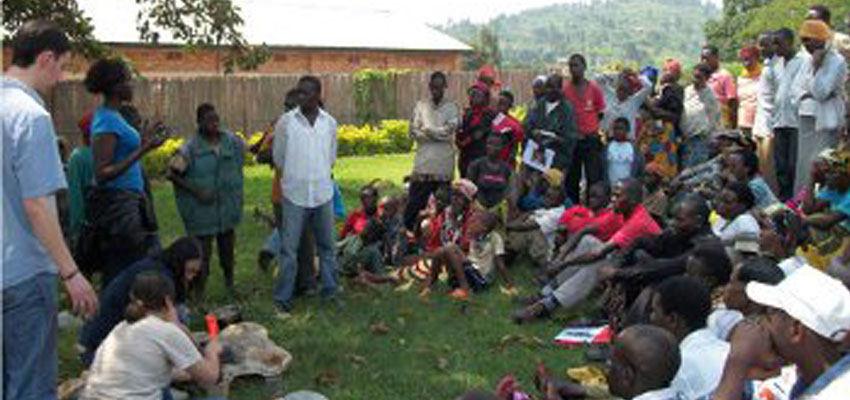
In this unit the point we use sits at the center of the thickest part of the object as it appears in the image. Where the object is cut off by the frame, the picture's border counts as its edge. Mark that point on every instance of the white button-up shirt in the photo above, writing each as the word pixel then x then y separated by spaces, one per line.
pixel 787 100
pixel 305 154
pixel 765 98
pixel 703 359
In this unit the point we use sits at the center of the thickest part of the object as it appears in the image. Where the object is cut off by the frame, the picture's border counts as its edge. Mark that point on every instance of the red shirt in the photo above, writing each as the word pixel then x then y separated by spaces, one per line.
pixel 504 123
pixel 639 224
pixel 354 224
pixel 606 220
pixel 587 108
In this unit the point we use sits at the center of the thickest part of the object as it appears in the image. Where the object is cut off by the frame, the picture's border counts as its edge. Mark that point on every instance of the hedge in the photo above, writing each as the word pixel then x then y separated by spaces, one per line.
pixel 390 136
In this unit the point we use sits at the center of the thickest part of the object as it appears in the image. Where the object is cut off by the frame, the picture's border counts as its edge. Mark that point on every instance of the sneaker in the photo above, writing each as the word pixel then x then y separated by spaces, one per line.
pixel 459 294
pixel 282 313
pixel 425 293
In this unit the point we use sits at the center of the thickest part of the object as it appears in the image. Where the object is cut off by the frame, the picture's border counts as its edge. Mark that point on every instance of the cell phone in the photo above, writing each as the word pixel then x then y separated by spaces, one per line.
pixel 212 326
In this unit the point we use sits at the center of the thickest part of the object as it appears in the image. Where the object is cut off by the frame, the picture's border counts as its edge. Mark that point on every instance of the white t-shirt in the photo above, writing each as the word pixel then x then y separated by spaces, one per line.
pixel 483 253
pixel 703 359
pixel 621 156
pixel 743 226
pixel 135 360
pixel 547 219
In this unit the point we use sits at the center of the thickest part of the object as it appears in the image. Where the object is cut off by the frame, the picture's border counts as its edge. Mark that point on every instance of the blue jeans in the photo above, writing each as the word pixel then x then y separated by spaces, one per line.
pixel 30 326
pixel 321 221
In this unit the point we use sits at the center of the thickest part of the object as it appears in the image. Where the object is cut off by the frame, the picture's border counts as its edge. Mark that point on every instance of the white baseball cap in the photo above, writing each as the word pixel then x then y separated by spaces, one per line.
pixel 819 301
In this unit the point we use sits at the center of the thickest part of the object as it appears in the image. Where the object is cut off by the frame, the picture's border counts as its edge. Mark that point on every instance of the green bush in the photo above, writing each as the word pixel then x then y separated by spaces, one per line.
pixel 389 137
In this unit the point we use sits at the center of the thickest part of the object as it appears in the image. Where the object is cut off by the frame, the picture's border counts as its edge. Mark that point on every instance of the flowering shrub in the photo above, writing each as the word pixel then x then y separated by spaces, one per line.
pixel 390 136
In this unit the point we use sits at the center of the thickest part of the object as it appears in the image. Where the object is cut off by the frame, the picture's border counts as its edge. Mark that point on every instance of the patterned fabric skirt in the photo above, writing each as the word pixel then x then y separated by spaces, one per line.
pixel 658 145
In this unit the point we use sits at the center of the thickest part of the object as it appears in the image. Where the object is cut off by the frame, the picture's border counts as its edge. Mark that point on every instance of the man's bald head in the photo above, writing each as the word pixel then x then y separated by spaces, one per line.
pixel 645 358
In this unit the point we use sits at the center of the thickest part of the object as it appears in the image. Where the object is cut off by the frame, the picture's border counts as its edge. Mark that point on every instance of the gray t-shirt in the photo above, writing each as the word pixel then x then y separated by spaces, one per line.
pixel 31 169
pixel 135 360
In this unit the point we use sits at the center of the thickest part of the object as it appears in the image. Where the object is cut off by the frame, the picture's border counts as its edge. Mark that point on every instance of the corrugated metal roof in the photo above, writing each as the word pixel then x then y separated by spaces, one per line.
pixel 279 23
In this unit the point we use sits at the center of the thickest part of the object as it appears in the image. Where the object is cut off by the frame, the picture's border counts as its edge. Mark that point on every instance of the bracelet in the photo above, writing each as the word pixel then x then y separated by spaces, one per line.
pixel 71 275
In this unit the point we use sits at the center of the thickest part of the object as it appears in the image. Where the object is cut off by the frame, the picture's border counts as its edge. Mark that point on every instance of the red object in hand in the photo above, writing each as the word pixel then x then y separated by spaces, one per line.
pixel 212 326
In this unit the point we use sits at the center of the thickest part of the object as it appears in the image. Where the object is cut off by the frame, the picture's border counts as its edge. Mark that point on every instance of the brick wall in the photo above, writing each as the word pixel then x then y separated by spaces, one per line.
pixel 155 60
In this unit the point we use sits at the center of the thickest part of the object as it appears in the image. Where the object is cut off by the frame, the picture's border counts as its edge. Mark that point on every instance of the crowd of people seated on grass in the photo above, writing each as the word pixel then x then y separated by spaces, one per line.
pixel 707 224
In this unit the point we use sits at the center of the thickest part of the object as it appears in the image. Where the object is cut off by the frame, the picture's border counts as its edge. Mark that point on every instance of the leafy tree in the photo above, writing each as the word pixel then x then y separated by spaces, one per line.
pixel 744 20
pixel 194 22
pixel 486 51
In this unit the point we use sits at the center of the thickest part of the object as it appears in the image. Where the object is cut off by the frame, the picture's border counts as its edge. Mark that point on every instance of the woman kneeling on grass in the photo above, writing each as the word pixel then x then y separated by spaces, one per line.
pixel 180 263
pixel 136 360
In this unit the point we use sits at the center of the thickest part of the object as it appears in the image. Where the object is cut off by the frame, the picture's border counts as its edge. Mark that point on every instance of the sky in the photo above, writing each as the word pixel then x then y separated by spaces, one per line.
pixel 438 11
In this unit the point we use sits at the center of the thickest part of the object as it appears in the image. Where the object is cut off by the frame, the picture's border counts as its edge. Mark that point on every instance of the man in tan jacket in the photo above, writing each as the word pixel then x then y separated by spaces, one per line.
pixel 433 127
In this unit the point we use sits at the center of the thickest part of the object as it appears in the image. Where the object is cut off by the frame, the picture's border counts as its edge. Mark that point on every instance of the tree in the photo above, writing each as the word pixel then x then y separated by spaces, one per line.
pixel 744 20
pixel 193 22
pixel 485 51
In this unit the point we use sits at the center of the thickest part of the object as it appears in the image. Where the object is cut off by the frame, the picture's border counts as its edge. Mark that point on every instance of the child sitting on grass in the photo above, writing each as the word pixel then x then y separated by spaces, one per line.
pixel 360 257
pixel 473 267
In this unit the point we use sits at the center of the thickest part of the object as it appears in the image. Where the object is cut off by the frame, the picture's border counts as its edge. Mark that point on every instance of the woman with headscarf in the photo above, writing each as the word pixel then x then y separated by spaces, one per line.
pixel 658 138
pixel 471 138
pixel 748 88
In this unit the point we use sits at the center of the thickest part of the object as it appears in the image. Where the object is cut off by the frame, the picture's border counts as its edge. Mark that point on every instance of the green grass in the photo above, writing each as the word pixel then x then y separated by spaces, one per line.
pixel 432 351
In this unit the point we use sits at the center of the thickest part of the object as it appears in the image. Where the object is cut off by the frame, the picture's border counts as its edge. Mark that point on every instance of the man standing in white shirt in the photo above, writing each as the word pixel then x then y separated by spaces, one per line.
pixel 786 118
pixel 305 150
pixel 682 305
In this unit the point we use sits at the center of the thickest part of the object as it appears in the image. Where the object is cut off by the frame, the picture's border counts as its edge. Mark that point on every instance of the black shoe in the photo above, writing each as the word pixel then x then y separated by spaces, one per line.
pixel 530 313
pixel 264 260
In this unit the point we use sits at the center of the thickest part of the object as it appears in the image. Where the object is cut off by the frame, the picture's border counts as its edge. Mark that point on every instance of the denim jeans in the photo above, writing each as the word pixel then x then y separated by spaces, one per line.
pixel 321 221
pixel 30 358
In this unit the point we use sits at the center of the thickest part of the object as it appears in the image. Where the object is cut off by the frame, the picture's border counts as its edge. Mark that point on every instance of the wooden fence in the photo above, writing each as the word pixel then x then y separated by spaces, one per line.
pixel 249 103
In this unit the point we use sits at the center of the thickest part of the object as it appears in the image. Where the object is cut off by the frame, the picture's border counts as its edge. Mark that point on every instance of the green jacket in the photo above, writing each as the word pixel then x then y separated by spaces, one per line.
pixel 562 122
pixel 217 172
pixel 80 180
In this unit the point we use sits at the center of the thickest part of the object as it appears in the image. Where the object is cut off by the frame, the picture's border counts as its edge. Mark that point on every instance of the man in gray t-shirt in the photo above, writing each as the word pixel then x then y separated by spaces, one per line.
pixel 34 250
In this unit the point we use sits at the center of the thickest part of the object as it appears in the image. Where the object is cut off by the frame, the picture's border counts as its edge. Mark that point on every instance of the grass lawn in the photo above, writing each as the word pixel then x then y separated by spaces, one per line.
pixel 433 351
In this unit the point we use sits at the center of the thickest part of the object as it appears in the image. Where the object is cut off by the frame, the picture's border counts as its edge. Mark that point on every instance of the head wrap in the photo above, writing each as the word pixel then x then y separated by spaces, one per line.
pixel 466 188
pixel 814 29
pixel 671 65
pixel 650 73
pixel 487 71
pixel 837 160
pixel 749 52
pixel 630 78
pixel 540 80
pixel 554 176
